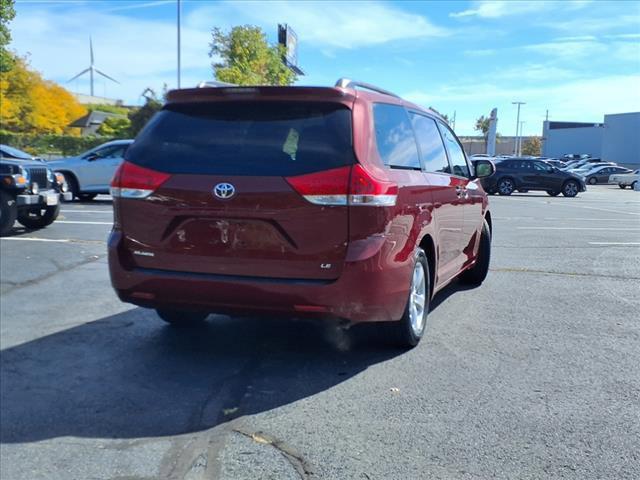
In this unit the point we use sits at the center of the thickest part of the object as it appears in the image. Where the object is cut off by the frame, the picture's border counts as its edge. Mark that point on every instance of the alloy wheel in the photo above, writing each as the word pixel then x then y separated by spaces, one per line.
pixel 418 299
pixel 505 187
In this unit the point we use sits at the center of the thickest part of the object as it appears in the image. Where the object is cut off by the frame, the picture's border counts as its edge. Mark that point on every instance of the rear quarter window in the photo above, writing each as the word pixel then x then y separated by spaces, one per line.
pixel 394 137
pixel 246 138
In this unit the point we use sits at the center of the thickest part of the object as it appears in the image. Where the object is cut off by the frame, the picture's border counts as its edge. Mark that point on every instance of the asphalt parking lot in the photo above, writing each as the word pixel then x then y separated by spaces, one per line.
pixel 533 375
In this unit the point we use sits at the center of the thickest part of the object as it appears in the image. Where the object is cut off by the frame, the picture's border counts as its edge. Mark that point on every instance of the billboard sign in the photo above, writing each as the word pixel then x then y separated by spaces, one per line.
pixel 288 38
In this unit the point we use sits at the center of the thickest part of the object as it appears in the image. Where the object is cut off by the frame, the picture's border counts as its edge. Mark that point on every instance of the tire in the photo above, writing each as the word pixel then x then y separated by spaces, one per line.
pixel 410 329
pixel 86 197
pixel 552 193
pixel 8 212
pixel 593 181
pixel 633 185
pixel 35 218
pixel 476 274
pixel 180 318
pixel 506 186
pixel 570 188
pixel 622 186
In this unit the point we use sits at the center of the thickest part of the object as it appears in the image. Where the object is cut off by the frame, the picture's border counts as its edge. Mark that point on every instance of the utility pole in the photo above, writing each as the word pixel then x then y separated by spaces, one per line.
pixel 520 137
pixel 179 8
pixel 546 118
pixel 453 126
pixel 516 149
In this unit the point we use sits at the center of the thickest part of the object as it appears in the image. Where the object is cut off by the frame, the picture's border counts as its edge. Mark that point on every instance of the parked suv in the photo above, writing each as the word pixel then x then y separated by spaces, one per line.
pixel 524 174
pixel 29 192
pixel 343 202
pixel 90 173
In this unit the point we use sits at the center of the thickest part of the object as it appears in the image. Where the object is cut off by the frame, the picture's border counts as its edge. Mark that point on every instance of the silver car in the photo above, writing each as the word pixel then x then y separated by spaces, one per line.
pixel 90 173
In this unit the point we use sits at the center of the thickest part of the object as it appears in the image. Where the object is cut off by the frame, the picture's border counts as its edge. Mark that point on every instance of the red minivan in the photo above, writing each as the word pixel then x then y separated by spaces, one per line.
pixel 346 203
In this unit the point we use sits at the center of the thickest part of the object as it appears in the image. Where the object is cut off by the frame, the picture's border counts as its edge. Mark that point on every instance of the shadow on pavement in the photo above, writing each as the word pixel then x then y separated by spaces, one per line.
pixel 130 376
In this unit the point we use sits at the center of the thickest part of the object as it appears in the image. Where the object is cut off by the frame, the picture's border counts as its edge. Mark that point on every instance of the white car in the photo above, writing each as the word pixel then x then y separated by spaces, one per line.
pixel 90 173
pixel 625 180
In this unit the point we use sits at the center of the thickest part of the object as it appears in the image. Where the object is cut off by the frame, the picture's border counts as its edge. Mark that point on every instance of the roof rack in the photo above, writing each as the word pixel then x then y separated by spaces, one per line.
pixel 348 83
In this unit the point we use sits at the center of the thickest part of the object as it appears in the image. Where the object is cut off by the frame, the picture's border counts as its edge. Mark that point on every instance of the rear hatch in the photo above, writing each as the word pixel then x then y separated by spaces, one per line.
pixel 217 188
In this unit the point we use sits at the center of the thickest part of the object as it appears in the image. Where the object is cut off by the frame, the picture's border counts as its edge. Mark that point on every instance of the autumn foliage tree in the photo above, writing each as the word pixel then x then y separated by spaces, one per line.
pixel 532 146
pixel 31 104
pixel 246 58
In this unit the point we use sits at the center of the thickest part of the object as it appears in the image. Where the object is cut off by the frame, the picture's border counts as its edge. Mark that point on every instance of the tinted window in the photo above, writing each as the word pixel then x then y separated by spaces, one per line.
pixel 541 167
pixel 113 151
pixel 394 136
pixel 434 156
pixel 246 138
pixel 456 154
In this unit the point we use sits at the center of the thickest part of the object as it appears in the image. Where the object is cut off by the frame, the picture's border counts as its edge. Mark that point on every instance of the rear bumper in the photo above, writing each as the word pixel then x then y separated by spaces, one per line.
pixel 365 292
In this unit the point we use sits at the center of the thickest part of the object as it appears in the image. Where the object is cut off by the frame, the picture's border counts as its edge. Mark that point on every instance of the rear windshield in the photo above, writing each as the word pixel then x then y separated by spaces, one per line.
pixel 246 138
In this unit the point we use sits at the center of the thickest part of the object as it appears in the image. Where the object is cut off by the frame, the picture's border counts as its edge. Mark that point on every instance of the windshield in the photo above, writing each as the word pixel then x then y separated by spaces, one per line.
pixel 5 150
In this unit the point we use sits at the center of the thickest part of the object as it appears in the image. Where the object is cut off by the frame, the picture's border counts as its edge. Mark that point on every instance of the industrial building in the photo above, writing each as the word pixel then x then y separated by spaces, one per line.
pixel 617 139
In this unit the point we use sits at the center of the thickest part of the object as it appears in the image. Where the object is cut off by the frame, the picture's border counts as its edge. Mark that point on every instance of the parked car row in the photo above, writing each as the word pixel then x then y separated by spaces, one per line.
pixel 588 170
pixel 530 173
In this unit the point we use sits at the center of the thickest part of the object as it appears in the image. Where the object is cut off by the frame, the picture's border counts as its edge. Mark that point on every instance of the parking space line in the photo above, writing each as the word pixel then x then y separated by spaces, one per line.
pixel 615 243
pixel 87 211
pixel 83 223
pixel 56 240
pixel 582 228
pixel 35 239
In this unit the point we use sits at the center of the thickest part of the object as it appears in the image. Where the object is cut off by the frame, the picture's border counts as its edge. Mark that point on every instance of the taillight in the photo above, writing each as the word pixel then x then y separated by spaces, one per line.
pixel 367 190
pixel 133 181
pixel 329 187
pixel 345 186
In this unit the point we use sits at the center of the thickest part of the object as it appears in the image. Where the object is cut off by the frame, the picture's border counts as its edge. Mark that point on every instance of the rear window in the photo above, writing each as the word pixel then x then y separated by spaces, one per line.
pixel 246 138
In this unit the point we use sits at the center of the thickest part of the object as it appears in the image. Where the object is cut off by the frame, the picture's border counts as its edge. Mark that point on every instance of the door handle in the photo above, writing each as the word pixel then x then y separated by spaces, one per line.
pixel 461 192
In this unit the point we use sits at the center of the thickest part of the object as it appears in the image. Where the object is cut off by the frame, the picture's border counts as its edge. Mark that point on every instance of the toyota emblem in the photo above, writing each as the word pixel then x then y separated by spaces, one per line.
pixel 224 190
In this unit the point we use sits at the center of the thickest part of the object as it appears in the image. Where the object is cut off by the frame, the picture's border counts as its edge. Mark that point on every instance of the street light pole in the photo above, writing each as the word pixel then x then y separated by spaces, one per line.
pixel 517 148
pixel 178 19
pixel 520 137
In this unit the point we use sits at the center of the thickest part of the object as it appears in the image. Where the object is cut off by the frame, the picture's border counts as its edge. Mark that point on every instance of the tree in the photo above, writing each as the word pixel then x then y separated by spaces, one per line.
pixel 31 104
pixel 532 146
pixel 141 116
pixel 115 127
pixel 246 58
pixel 482 125
pixel 7 13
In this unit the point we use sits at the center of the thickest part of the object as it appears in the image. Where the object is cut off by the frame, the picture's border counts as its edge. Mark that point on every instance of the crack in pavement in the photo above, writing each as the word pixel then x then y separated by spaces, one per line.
pixel 59 269
pixel 295 459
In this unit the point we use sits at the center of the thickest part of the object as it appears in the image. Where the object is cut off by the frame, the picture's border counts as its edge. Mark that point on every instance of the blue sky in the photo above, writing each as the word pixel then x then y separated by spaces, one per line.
pixel 578 59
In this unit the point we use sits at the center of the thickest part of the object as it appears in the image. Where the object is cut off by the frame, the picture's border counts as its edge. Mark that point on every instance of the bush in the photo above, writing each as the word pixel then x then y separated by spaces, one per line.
pixel 64 145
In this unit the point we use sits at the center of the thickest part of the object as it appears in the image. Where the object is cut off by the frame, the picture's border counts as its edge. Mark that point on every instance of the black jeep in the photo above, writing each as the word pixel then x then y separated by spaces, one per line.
pixel 29 192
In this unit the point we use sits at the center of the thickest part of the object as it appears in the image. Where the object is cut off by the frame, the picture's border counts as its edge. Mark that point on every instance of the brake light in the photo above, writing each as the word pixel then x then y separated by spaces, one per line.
pixel 329 187
pixel 367 190
pixel 134 181
pixel 345 186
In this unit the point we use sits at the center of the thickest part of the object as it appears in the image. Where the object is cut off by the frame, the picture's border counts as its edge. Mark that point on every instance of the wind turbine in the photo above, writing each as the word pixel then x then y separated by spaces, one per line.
pixel 92 69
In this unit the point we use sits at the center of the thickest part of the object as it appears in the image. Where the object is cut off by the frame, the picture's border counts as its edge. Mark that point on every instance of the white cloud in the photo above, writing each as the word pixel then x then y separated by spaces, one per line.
pixel 502 8
pixel 575 100
pixel 138 52
pixel 568 49
pixel 498 9
pixel 323 24
pixel 481 52
pixel 597 24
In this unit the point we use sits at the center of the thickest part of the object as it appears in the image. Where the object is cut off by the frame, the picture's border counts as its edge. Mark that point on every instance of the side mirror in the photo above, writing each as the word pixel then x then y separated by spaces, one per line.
pixel 484 168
